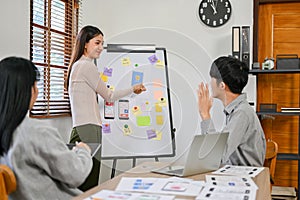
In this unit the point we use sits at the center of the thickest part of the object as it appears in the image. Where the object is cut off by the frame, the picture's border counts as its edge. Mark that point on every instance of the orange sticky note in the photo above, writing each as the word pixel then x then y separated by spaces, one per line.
pixel 158 94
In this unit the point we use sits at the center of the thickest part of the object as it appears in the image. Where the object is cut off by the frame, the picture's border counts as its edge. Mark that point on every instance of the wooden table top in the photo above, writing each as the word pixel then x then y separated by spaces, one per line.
pixel 262 180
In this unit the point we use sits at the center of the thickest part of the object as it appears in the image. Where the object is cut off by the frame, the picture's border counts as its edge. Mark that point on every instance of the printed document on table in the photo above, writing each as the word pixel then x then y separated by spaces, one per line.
pixel 112 195
pixel 228 187
pixel 239 170
pixel 174 185
pixel 211 192
pixel 234 181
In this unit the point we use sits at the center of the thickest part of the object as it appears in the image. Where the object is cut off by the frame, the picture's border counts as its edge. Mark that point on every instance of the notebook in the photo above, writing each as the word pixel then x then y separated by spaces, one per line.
pixel 204 155
pixel 94 147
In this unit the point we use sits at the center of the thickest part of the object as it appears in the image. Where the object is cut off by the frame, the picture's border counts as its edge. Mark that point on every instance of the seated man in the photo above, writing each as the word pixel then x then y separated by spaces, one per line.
pixel 246 143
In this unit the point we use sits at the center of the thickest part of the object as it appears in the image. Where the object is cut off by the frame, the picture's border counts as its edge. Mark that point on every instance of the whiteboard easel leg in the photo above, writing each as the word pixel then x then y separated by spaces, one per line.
pixel 113 169
pixel 133 162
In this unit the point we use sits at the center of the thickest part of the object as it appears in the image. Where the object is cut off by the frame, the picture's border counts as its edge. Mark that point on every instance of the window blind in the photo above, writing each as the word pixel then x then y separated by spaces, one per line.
pixel 54 26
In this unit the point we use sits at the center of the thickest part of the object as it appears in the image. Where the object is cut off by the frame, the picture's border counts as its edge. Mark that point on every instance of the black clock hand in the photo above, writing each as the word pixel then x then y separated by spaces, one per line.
pixel 213 7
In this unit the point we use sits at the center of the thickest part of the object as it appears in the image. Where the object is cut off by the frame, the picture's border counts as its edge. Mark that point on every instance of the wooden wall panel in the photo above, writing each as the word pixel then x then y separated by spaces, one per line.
pixel 286 35
pixel 286 48
pixel 286 173
pixel 286 21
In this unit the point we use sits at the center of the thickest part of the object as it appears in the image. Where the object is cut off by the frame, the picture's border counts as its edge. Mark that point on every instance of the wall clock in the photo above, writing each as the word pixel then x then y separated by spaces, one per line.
pixel 214 13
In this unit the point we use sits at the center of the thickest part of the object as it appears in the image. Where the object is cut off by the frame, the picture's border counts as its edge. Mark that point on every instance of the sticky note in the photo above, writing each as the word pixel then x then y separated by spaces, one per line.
pixel 151 134
pixel 158 108
pixel 125 61
pixel 145 106
pixel 108 71
pixel 157 83
pixel 136 110
pixel 126 129
pixel 158 94
pixel 112 88
pixel 137 78
pixel 106 128
pixel 143 120
pixel 159 119
pixel 158 135
pixel 153 59
pixel 159 64
pixel 163 102
pixel 103 77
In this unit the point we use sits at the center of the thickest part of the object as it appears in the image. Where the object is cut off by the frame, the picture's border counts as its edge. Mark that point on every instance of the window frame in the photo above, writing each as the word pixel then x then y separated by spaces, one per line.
pixel 54 49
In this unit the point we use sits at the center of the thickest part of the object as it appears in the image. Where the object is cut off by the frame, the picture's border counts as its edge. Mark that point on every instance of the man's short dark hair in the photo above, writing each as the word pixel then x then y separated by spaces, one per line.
pixel 231 71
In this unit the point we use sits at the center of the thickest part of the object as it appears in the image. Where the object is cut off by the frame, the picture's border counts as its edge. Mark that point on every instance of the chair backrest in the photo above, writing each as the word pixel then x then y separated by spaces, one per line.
pixel 271 155
pixel 8 183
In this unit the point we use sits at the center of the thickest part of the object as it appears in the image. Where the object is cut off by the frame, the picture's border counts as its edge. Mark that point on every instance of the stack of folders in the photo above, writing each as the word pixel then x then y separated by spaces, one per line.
pixel 296 110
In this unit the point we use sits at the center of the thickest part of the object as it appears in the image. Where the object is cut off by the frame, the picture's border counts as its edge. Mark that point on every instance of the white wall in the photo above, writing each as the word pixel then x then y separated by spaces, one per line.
pixel 15 41
pixel 191 47
pixel 173 24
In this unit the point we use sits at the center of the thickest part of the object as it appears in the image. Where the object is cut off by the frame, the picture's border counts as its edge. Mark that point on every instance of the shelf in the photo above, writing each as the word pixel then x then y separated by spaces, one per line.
pixel 278 113
pixel 288 156
pixel 275 71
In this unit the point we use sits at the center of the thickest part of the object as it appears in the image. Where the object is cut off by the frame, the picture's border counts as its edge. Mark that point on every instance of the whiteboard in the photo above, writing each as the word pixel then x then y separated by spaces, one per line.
pixel 148 131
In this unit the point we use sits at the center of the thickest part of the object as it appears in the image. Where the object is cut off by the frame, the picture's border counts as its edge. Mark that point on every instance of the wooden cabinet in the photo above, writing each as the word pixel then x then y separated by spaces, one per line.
pixel 275 31
pixel 281 87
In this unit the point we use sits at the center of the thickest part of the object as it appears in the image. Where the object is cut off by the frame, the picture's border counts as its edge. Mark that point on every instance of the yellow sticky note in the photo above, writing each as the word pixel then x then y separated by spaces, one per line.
pixel 163 102
pixel 126 61
pixel 159 120
pixel 158 135
pixel 126 129
pixel 103 77
pixel 159 64
pixel 158 108
pixel 136 110
pixel 112 88
pixel 143 120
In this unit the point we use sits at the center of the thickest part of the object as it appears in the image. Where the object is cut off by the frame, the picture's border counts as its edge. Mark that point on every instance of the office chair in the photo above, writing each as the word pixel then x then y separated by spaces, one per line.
pixel 8 183
pixel 270 160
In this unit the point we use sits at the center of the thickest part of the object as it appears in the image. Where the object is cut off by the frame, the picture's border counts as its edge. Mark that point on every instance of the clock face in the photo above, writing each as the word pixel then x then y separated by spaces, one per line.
pixel 214 13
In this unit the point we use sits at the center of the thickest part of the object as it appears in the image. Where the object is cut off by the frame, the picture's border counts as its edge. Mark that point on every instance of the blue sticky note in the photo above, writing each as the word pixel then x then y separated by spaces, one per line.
pixel 108 71
pixel 153 59
pixel 151 134
pixel 137 78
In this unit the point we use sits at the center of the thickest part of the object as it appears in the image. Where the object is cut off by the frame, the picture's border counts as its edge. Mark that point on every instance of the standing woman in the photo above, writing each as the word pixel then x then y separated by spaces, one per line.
pixel 83 84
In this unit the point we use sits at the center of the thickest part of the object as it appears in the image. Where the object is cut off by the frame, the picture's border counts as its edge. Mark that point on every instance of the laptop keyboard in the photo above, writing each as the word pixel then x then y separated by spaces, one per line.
pixel 176 171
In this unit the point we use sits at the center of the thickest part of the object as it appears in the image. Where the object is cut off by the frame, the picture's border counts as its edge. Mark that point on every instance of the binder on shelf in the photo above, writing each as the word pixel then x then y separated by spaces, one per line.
pixel 246 44
pixel 236 46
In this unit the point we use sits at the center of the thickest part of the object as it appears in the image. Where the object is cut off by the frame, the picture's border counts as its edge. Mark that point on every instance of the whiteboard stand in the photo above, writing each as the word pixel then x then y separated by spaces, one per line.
pixel 121 66
pixel 114 165
pixel 113 168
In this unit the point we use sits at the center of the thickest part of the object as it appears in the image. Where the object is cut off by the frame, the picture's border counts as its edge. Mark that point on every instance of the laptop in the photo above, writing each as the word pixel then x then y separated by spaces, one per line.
pixel 94 147
pixel 204 155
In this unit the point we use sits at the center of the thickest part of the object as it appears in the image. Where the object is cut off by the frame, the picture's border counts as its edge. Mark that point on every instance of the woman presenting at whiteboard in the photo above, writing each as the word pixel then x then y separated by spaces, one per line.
pixel 84 83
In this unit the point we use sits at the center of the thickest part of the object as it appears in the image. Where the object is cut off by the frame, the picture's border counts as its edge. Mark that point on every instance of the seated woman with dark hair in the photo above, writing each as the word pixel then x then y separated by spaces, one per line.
pixel 43 165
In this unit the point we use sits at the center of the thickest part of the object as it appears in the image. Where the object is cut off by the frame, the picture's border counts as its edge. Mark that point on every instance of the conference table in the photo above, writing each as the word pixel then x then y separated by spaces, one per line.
pixel 262 180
